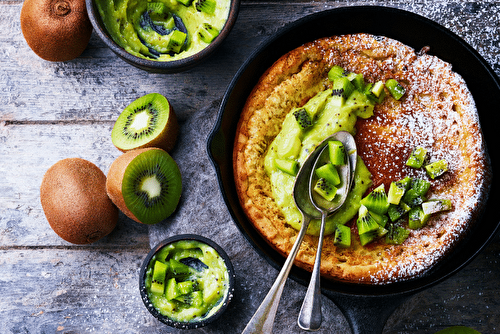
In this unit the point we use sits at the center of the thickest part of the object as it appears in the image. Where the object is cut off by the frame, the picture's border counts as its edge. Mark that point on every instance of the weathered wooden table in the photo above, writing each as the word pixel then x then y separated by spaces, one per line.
pixel 50 111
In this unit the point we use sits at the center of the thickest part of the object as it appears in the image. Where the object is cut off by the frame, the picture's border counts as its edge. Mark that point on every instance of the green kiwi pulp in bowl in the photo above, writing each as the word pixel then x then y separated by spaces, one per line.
pixel 145 184
pixel 186 281
pixel 149 121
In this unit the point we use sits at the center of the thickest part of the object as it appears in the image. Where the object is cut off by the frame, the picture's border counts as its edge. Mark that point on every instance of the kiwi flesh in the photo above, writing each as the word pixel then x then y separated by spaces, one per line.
pixel 302 117
pixel 56 30
pixel 437 168
pixel 149 121
pixel 324 188
pixel 207 32
pixel 396 234
pixel 365 222
pixel 206 6
pixel 158 280
pixel 342 236
pixel 417 157
pixel 337 154
pixel 145 184
pixel 329 172
pixel 75 203
pixel 376 201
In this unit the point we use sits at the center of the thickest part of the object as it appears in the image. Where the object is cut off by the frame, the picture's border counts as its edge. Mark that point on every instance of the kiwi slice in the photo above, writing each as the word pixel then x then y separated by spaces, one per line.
pixel 149 121
pixel 436 205
pixel 336 151
pixel 396 234
pixel 317 102
pixel 206 6
pixel 325 189
pixel 395 88
pixel 397 190
pixel 417 157
pixel 172 291
pixel 185 2
pixel 145 184
pixel 357 80
pixel 176 41
pixel 342 236
pixel 328 172
pixel 336 72
pixel 302 117
pixel 397 211
pixel 341 90
pixel 207 33
pixel 365 222
pixel 436 168
pixel 158 280
pixel 420 186
pixel 417 218
pixel 376 200
pixel 368 237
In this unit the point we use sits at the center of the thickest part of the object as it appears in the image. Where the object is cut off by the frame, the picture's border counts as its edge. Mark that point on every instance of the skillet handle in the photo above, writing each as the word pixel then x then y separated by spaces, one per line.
pixel 367 314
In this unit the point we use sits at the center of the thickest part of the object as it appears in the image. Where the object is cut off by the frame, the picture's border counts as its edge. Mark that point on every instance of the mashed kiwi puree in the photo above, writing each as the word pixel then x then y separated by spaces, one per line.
pixel 163 30
pixel 296 144
pixel 200 281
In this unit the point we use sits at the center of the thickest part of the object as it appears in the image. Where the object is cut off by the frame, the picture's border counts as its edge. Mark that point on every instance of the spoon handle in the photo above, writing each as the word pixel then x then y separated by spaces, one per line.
pixel 263 319
pixel 310 316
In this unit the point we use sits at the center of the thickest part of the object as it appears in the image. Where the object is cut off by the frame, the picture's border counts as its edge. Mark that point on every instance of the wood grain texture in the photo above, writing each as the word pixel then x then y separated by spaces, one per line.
pixel 50 111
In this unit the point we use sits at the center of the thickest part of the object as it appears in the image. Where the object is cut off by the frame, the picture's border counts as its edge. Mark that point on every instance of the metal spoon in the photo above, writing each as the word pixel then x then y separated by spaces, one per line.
pixel 310 316
pixel 263 319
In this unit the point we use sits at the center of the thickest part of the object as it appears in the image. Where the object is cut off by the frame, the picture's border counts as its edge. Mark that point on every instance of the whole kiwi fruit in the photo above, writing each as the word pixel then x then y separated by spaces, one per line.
pixel 56 30
pixel 145 184
pixel 75 202
pixel 149 121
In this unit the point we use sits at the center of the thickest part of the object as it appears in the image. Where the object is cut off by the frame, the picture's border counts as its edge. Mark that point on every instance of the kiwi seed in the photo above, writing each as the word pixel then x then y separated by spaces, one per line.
pixel 74 200
pixel 149 121
pixel 56 30
pixel 145 184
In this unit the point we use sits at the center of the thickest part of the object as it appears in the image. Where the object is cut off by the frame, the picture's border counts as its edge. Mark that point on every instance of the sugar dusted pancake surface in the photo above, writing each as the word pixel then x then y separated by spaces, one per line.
pixel 437 112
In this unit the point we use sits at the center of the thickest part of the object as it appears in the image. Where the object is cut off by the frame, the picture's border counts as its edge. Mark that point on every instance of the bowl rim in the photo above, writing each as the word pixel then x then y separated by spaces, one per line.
pixel 173 66
pixel 192 324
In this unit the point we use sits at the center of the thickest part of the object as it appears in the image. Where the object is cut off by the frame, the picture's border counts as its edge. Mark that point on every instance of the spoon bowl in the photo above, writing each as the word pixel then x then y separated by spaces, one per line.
pixel 310 316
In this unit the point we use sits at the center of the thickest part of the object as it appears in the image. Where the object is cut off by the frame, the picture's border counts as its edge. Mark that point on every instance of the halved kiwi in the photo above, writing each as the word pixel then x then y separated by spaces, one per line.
pixel 149 121
pixel 145 184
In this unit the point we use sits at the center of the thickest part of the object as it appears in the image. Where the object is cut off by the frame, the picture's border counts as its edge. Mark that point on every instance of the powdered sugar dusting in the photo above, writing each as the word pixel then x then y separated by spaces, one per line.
pixel 438 113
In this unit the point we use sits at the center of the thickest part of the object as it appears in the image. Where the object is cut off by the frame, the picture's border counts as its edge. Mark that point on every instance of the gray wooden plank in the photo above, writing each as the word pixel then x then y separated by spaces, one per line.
pixel 27 151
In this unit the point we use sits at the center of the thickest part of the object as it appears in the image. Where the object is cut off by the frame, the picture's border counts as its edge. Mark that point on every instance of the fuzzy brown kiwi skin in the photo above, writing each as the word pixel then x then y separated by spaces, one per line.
pixel 167 138
pixel 115 177
pixel 56 30
pixel 74 200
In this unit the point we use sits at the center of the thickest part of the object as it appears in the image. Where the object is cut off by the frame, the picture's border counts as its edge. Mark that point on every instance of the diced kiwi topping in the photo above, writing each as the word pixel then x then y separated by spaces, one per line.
pixel 436 168
pixel 342 236
pixel 406 203
pixel 417 157
pixel 395 88
pixel 326 189
pixel 336 151
pixel 327 174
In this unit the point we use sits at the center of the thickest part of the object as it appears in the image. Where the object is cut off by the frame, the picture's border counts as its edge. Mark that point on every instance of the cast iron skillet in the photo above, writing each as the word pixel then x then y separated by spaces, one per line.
pixel 366 307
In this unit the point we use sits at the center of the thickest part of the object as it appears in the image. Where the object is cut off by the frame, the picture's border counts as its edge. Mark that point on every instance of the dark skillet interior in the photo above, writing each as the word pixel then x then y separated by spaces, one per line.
pixel 417 33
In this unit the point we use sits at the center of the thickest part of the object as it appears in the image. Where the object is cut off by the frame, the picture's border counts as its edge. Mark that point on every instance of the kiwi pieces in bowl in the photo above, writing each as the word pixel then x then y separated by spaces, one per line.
pixel 145 184
pixel 149 121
